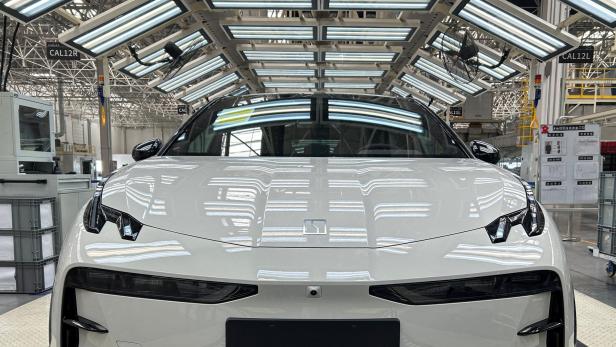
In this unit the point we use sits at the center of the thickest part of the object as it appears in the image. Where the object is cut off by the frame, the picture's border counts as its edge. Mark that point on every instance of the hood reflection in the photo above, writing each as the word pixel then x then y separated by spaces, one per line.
pixel 118 253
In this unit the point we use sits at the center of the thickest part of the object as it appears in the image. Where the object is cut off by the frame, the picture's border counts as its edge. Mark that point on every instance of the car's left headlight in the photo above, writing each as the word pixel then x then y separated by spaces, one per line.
pixel 96 215
pixel 531 218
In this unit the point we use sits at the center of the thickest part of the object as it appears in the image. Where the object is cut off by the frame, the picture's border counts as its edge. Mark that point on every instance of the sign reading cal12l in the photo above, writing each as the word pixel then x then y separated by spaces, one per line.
pixel 583 54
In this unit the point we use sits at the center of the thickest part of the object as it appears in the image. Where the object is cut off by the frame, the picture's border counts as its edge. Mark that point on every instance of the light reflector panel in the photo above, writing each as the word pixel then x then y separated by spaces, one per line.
pixel 433 89
pixel 437 70
pixel 339 85
pixel 347 33
pixel 364 112
pixel 526 31
pixel 251 32
pixel 285 72
pixel 436 108
pixel 368 57
pixel 187 43
pixel 486 56
pixel 120 25
pixel 379 4
pixel 400 92
pixel 603 11
pixel 290 85
pixel 279 56
pixel 28 10
pixel 260 4
pixel 198 69
pixel 209 88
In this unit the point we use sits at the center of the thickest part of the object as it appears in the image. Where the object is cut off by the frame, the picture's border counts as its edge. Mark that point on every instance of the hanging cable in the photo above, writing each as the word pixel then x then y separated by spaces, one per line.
pixel 3 46
pixel 8 67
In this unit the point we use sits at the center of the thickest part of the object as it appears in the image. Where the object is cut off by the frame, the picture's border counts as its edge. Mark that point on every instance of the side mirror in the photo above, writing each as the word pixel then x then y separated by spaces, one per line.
pixel 485 151
pixel 147 149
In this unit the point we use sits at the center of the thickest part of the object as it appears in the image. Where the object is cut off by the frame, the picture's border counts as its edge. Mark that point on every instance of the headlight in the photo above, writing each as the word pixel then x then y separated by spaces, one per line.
pixel 470 289
pixel 156 287
pixel 531 218
pixel 96 215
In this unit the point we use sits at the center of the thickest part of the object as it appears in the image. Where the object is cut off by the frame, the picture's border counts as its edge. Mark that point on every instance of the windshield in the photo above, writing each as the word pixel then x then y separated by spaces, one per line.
pixel 316 126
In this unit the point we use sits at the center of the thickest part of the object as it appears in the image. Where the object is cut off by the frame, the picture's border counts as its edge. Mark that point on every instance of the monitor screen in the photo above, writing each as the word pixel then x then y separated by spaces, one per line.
pixel 34 129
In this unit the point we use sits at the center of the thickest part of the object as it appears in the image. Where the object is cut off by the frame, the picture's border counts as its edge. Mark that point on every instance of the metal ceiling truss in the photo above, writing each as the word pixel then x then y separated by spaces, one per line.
pixel 332 45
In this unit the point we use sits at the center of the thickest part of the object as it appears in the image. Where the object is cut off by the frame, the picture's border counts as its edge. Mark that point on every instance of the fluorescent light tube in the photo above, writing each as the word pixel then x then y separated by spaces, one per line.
pixel 209 88
pixel 187 43
pixel 354 73
pixel 285 72
pixel 433 89
pixel 337 85
pixel 252 32
pixel 369 57
pixel 437 70
pixel 278 56
pixel 239 91
pixel 400 92
pixel 603 11
pixel 526 31
pixel 121 24
pixel 192 72
pixel 28 10
pixel 289 85
pixel 260 4
pixel 379 4
pixel 347 33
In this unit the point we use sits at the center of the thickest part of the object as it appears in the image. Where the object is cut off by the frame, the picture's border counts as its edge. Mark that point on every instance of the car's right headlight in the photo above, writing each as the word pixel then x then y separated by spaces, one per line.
pixel 531 218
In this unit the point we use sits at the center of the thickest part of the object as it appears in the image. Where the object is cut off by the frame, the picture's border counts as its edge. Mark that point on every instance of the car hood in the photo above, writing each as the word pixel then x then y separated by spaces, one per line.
pixel 314 202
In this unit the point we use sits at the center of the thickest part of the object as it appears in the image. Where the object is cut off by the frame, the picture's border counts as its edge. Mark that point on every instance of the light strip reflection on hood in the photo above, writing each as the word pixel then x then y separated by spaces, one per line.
pixel 264 112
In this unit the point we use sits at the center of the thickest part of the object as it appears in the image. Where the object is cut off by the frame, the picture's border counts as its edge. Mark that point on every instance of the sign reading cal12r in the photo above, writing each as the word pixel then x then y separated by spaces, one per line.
pixel 58 51
pixel 583 54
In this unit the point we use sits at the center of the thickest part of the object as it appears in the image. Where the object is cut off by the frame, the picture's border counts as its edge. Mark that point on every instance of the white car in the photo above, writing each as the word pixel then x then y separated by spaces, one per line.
pixel 313 221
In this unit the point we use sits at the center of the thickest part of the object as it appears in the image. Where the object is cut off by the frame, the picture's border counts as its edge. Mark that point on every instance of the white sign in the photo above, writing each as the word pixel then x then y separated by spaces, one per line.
pixel 570 163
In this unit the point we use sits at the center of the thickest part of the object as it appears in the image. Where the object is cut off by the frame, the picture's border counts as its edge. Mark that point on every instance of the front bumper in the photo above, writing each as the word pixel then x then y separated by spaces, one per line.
pixel 283 276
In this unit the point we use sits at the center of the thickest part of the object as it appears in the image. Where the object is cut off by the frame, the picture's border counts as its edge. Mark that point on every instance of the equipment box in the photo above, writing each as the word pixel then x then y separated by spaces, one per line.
pixel 27 278
pixel 28 246
pixel 28 214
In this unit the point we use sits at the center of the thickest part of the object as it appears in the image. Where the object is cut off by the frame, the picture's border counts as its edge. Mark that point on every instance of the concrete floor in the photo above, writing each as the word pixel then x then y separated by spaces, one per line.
pixel 23 318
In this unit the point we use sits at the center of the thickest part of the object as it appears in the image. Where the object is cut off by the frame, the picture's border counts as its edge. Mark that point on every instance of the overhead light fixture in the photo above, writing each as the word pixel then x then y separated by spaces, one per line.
pixel 207 87
pixel 367 57
pixel 379 4
pixel 433 89
pixel 377 114
pixel 353 73
pixel 436 69
pixel 285 72
pixel 239 91
pixel 263 4
pixel 26 11
pixel 289 85
pixel 400 92
pixel 186 42
pixel 280 32
pixel 348 33
pixel 486 57
pixel 191 72
pixel 603 11
pixel 339 85
pixel 279 56
pixel 121 24
pixel 520 28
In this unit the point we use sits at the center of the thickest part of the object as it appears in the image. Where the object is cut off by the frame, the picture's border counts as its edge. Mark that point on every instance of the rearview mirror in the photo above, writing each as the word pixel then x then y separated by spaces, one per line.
pixel 485 151
pixel 146 149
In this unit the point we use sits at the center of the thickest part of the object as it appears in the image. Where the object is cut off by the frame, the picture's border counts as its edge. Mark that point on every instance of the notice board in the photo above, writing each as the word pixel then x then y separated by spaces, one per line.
pixel 570 157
